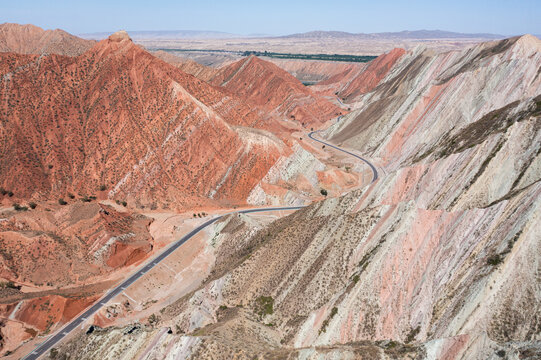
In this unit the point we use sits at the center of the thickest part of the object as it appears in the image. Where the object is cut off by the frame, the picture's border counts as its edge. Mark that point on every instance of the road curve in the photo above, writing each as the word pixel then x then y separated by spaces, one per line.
pixel 372 167
pixel 79 320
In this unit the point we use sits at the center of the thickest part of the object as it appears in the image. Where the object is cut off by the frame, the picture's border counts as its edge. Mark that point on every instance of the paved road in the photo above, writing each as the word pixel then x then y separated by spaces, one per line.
pixel 53 340
pixel 372 167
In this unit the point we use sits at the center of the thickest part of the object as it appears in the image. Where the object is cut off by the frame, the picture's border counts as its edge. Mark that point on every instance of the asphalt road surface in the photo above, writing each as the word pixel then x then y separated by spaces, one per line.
pixel 372 167
pixel 78 321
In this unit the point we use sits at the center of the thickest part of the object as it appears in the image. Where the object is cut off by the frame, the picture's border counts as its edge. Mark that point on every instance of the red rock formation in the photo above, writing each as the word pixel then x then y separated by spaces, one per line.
pixel 118 117
pixel 72 244
pixel 354 82
pixel 279 94
pixel 30 39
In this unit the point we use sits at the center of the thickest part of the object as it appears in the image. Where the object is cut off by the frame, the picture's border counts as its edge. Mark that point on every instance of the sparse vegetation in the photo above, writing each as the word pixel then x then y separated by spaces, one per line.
pixel 103 187
pixel 9 285
pixel 494 260
pixel 62 201
pixel 264 305
pixel 18 207
pixel 326 322
pixel 413 334
pixel 153 319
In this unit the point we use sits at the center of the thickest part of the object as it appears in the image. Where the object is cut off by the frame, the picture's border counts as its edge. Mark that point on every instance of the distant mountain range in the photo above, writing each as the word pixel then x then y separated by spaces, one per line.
pixel 411 35
pixel 196 34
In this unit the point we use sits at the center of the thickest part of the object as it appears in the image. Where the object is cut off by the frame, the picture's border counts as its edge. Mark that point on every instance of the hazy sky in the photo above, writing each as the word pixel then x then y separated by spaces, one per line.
pixel 506 17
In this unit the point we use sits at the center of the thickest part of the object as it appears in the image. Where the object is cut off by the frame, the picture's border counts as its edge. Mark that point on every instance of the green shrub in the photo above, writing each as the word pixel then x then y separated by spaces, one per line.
pixel 494 260
pixel 32 205
pixel 323 192
pixel 18 207
pixel 326 322
pixel 264 305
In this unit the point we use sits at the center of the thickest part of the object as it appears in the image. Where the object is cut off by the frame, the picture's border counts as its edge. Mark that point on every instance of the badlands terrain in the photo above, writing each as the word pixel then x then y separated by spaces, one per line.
pixel 110 153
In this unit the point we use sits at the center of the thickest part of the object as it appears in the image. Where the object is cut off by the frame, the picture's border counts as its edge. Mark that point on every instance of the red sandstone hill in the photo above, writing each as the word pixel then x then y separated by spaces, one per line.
pixel 31 39
pixel 275 91
pixel 119 118
pixel 350 84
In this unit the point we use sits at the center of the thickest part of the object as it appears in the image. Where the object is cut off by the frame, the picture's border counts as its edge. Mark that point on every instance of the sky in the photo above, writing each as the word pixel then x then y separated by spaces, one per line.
pixel 278 17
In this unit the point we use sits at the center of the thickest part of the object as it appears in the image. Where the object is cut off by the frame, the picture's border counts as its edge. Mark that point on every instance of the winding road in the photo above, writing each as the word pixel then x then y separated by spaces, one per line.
pixel 79 320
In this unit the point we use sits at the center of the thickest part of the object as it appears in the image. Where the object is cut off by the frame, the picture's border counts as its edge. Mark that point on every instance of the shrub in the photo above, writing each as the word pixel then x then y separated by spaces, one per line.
pixel 325 323
pixel 18 207
pixel 9 285
pixel 10 193
pixel 264 305
pixel 32 205
pixel 413 334
pixel 124 203
pixel 103 188
pixel 3 191
pixel 85 199
pixel 62 202
pixel 71 196
pixel 494 260
pixel 323 192
pixel 50 166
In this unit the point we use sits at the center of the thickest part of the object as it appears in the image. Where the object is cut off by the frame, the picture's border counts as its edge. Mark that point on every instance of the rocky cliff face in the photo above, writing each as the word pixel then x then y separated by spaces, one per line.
pixel 438 259
pixel 119 119
pixel 30 39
